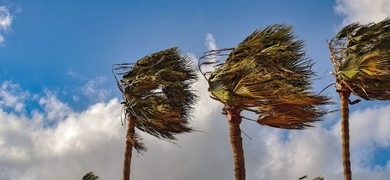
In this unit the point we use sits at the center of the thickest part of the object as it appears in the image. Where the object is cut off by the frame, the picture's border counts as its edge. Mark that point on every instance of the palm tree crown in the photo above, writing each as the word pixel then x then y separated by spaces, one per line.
pixel 269 74
pixel 157 94
pixel 360 55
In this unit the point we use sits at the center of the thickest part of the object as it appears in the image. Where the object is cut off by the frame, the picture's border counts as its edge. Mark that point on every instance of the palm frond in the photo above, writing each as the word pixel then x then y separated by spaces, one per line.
pixel 157 93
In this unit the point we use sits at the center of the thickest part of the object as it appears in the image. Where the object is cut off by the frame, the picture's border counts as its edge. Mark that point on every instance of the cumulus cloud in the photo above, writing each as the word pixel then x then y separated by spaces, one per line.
pixel 81 142
pixel 93 140
pixel 363 11
pixel 371 125
pixel 5 22
pixel 54 108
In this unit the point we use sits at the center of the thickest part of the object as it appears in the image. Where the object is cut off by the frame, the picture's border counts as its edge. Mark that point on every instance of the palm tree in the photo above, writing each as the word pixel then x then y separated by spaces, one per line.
pixel 157 98
pixel 90 176
pixel 360 54
pixel 268 74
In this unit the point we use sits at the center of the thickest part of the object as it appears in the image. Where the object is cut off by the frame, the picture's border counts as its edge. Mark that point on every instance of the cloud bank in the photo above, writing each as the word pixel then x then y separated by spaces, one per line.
pixel 93 140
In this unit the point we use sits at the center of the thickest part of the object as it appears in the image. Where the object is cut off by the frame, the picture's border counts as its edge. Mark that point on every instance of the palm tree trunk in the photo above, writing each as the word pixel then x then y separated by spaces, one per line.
pixel 128 147
pixel 234 120
pixel 344 95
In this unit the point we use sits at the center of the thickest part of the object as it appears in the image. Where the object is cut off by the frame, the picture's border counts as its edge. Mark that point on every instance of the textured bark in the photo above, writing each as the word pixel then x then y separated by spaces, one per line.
pixel 344 95
pixel 128 148
pixel 234 120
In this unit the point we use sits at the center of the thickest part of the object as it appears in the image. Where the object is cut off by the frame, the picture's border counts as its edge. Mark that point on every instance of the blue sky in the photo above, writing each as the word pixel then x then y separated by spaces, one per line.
pixel 50 39
pixel 59 105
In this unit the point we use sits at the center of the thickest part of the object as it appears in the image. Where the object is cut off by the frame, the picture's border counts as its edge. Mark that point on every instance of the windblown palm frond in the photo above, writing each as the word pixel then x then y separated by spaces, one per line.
pixel 157 93
pixel 360 55
pixel 269 73
pixel 90 176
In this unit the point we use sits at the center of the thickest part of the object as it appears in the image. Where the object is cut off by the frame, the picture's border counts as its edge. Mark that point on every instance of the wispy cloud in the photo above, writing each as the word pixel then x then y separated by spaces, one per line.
pixel 363 11
pixel 210 42
pixel 5 19
pixel 74 74
pixel 94 89
pixel 5 22
pixel 12 96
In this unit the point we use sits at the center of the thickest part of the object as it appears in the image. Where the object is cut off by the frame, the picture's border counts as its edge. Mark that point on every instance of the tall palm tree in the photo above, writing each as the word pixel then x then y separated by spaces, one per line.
pixel 157 98
pixel 268 74
pixel 360 54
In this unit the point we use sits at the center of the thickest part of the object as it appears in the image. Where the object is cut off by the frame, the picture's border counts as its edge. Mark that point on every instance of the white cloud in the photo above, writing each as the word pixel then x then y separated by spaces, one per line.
pixel 11 96
pixel 210 42
pixel 311 152
pixel 371 125
pixel 369 130
pixel 74 74
pixel 90 140
pixel 5 18
pixel 5 22
pixel 56 110
pixel 94 89
pixel 93 140
pixel 363 11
